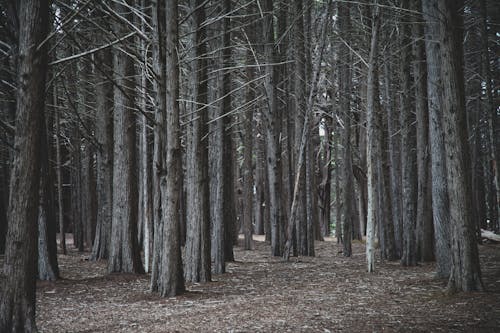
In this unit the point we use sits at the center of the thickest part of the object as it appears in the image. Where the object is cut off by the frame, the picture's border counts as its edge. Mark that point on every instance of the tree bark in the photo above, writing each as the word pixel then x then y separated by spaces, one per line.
pixel 372 147
pixel 440 200
pixel 197 266
pixel 48 268
pixel 465 271
pixel 124 253
pixel 104 157
pixel 345 109
pixel 408 156
pixel 17 301
pixel 424 230
pixel 171 276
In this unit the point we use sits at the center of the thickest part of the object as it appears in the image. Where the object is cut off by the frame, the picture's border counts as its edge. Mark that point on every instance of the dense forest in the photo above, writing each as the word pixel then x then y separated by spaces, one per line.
pixel 159 137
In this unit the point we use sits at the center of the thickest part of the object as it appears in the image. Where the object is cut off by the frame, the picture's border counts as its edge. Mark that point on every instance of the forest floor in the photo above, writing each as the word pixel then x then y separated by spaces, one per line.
pixel 260 293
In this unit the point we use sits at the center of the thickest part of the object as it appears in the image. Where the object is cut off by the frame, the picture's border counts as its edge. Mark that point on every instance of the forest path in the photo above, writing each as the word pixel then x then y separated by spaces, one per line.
pixel 327 293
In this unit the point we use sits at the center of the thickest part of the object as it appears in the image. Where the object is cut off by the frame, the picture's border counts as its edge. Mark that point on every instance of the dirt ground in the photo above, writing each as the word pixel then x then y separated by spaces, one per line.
pixel 259 293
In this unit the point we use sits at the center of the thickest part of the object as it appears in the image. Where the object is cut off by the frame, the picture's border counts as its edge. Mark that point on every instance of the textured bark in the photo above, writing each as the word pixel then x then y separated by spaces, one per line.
pixel 48 268
pixel 247 169
pixel 345 84
pixel 391 252
pixel 158 60
pixel 465 271
pixel 393 128
pixel 408 145
pixel 440 201
pixel 76 188
pixel 301 129
pixel 145 175
pixel 124 253
pixel 197 266
pixel 372 147
pixel 260 182
pixel 325 184
pixel 491 116
pixel 425 229
pixel 17 299
pixel 104 157
pixel 171 276
pixel 273 126
pixel 60 202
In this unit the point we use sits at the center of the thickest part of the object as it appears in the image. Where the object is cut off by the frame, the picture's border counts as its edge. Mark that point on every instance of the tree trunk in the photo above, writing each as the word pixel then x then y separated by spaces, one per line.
pixel 425 230
pixel 158 60
pixel 247 169
pixel 273 127
pixel 440 201
pixel 197 266
pixel 171 276
pixel 408 156
pixel 345 109
pixel 17 301
pixel 373 152
pixel 60 202
pixel 48 268
pixel 465 271
pixel 104 157
pixel 124 253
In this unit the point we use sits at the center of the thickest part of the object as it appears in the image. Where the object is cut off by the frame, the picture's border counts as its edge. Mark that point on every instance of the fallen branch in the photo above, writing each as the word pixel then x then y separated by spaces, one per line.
pixel 490 235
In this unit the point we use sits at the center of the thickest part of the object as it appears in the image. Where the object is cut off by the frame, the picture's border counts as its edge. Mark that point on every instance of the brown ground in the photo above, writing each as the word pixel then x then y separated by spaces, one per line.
pixel 328 293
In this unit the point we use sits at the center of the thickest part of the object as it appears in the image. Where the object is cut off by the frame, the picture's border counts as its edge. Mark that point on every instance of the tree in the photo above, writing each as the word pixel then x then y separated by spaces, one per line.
pixel 348 198
pixel 440 201
pixel 48 268
pixel 104 155
pixel 372 145
pixel 17 301
pixel 124 253
pixel 222 176
pixel 171 276
pixel 424 227
pixel 408 155
pixel 465 271
pixel 197 266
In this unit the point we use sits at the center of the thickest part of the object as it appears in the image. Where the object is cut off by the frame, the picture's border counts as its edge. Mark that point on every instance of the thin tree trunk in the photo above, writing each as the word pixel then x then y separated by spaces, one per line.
pixel 372 143
pixel 60 202
pixel 48 268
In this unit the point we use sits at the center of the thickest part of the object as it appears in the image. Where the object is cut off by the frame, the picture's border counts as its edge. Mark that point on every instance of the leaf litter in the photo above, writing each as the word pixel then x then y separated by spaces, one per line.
pixel 260 293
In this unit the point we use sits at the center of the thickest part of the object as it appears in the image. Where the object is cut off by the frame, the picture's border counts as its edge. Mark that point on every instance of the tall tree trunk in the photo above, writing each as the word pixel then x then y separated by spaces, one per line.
pixel 491 115
pixel 425 230
pixel 48 268
pixel 17 299
pixel 273 125
pixel 408 156
pixel 345 109
pixel 247 169
pixel 372 146
pixel 197 266
pixel 440 201
pixel 171 276
pixel 124 253
pixel 60 202
pixel 158 60
pixel 104 156
pixel 465 271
